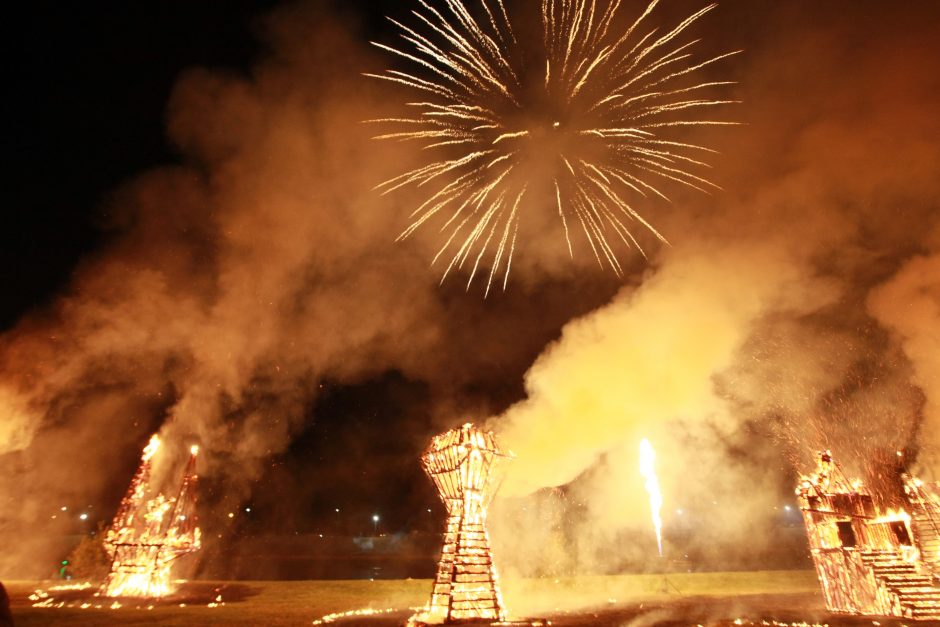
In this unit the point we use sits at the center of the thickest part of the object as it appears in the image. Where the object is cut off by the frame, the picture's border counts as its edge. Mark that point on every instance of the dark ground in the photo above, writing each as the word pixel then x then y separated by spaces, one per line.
pixel 780 610
pixel 265 604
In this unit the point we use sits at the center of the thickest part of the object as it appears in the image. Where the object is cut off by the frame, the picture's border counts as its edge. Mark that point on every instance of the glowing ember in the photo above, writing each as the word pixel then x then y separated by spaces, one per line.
pixel 367 611
pixel 148 534
pixel 464 464
pixel 151 449
pixel 648 470
pixel 84 585
pixel 869 562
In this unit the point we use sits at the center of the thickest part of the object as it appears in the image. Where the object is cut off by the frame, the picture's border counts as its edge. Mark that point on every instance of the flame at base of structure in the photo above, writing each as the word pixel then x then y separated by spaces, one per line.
pixel 138 572
pixel 464 464
pixel 86 596
pixel 870 562
pixel 149 534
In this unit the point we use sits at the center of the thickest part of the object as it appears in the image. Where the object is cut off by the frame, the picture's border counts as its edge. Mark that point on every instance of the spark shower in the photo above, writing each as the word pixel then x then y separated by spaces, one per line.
pixel 579 123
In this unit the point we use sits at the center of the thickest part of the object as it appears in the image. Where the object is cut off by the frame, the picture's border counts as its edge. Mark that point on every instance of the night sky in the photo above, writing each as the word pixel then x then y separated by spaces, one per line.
pixel 91 87
pixel 91 84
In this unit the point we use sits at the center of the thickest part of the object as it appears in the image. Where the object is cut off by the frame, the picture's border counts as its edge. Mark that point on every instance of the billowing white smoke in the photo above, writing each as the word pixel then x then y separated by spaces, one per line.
pixel 644 366
pixel 750 346
pixel 645 362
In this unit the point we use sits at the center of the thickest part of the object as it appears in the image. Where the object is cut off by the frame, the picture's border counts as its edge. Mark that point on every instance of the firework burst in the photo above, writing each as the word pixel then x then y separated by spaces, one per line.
pixel 576 123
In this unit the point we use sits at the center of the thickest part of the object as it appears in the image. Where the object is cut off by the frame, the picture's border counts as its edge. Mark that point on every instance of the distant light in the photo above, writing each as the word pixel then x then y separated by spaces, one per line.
pixel 337 510
pixel 429 510
pixel 84 516
pixel 375 518
pixel 194 449
pixel 231 515
pixel 64 508
pixel 787 507
pixel 679 511
pixel 248 509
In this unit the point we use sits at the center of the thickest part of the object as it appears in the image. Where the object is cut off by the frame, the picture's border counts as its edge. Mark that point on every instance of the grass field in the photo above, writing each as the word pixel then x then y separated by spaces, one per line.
pixel 281 603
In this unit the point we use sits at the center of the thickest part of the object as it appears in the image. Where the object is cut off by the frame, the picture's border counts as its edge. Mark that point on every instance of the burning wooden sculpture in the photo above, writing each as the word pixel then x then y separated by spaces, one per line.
pixel 148 534
pixel 869 562
pixel 464 464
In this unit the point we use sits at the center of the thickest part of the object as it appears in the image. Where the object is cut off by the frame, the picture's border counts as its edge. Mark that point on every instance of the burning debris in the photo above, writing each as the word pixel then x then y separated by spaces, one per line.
pixel 148 534
pixel 367 611
pixel 464 464
pixel 869 561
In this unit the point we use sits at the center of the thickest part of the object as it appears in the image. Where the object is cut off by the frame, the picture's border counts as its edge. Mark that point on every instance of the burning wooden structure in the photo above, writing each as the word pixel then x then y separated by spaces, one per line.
pixel 868 561
pixel 150 532
pixel 464 464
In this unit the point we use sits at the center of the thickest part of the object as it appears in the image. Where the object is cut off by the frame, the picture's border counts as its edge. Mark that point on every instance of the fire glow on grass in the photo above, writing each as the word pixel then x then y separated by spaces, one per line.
pixel 366 611
pixel 648 470
pixel 464 464
pixel 148 534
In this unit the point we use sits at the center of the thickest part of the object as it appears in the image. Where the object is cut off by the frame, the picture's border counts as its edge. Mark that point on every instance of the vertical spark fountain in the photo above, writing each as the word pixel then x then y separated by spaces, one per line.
pixel 147 535
pixel 648 470
pixel 465 466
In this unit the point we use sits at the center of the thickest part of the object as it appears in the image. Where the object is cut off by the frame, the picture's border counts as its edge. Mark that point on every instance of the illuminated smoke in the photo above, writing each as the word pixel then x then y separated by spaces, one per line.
pixel 909 305
pixel 260 266
pixel 751 328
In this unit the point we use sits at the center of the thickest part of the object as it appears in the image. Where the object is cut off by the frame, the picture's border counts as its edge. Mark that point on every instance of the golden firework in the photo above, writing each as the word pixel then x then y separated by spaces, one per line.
pixel 578 122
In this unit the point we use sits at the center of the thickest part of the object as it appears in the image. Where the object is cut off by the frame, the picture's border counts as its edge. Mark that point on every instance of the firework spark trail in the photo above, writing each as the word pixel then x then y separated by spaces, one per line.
pixel 648 470
pixel 589 136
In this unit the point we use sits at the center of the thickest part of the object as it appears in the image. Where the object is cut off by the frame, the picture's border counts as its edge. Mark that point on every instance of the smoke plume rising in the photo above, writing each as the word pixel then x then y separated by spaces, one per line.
pixel 234 284
pixel 796 311
pixel 908 304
